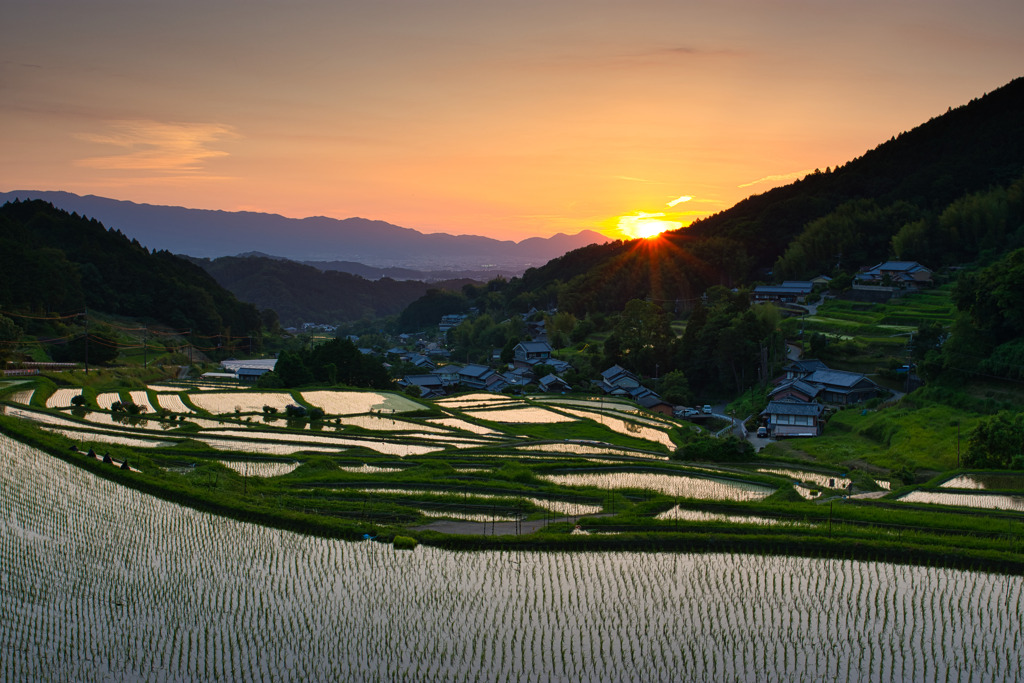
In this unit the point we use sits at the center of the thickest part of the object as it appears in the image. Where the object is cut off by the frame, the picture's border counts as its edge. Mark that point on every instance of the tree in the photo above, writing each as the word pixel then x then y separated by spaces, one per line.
pixel 998 442
pixel 675 388
pixel 291 370
pixel 644 336
pixel 9 335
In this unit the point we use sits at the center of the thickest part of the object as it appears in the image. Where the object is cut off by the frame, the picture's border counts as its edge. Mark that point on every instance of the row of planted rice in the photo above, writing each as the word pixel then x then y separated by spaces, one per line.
pixel 520 415
pixel 464 425
pixel 684 515
pixel 831 481
pixel 107 400
pixel 62 398
pixel 679 486
pixel 627 427
pixel 560 507
pixel 219 403
pixel 172 403
pixel 23 396
pixel 356 402
pixel 141 399
pixel 252 468
pixel 988 501
pixel 986 481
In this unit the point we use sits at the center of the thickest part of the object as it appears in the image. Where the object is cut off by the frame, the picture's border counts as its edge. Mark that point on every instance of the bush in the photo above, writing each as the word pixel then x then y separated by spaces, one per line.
pixel 710 449
pixel 316 414
pixel 293 411
pixel 405 543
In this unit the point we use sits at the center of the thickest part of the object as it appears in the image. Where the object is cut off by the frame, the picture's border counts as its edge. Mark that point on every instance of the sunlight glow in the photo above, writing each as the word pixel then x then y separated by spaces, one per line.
pixel 646 225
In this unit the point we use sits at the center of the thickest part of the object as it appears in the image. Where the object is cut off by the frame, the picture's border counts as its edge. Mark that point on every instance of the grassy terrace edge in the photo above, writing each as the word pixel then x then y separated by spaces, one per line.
pixel 921 548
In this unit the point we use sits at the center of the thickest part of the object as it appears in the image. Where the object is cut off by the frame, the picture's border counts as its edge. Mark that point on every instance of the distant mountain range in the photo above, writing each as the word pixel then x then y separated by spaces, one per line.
pixel 210 234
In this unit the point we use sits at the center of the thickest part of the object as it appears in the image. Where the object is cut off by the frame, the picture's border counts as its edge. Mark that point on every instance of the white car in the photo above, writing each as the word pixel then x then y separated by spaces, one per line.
pixel 707 409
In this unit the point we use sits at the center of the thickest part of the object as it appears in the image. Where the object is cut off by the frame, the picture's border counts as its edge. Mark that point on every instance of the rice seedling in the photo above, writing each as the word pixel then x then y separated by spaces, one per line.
pixel 527 415
pixel 368 469
pixel 685 515
pixel 107 400
pixel 988 501
pixel 220 403
pixel 249 468
pixel 172 403
pixel 22 396
pixel 465 516
pixel 387 424
pixel 356 402
pixel 81 436
pixel 627 427
pixel 141 399
pixel 673 485
pixel 986 481
pixel 464 425
pixel 102 582
pixel 831 481
pixel 62 398
pixel 478 401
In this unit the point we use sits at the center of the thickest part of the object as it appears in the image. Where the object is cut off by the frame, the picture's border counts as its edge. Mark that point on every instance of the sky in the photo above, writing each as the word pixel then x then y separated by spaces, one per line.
pixel 509 119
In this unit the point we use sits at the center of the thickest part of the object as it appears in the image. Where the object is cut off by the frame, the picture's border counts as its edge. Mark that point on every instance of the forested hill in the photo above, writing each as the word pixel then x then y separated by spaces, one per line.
pixel 302 293
pixel 53 262
pixel 914 194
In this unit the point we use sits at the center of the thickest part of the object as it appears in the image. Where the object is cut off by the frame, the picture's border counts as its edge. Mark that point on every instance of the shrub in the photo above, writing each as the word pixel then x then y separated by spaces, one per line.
pixel 405 543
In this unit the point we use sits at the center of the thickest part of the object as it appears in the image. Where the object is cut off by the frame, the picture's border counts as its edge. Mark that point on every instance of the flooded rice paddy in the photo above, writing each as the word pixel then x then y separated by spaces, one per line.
pixel 104 583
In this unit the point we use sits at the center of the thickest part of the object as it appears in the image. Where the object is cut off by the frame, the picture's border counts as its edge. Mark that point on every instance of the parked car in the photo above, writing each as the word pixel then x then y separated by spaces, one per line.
pixel 762 432
pixel 707 409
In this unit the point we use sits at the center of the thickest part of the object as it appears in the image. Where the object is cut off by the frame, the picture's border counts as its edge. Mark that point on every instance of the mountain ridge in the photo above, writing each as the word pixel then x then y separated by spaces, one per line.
pixel 211 233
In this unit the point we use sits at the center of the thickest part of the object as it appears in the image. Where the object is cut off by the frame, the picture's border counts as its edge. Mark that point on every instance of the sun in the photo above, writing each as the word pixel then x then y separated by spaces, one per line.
pixel 646 225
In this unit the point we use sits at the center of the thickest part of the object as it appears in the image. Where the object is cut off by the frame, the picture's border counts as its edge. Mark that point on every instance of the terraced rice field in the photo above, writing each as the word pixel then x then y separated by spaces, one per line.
pixel 520 415
pixel 23 396
pixel 102 583
pixel 356 402
pixel 62 398
pixel 221 403
pixel 106 401
pixel 988 501
pixel 173 403
pixel 141 399
pixel 249 468
pixel 685 515
pixel 627 427
pixel 986 481
pixel 671 485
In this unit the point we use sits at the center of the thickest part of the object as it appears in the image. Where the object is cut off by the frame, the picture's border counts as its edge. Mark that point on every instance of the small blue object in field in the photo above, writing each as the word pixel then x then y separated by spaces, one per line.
pixel 368 537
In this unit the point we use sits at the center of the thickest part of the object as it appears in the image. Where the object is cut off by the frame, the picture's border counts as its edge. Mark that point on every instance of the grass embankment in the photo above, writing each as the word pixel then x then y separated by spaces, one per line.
pixel 386 496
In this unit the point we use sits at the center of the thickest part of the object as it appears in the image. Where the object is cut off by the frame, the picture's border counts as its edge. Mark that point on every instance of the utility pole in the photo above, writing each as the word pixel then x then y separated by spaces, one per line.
pixel 87 341
pixel 145 346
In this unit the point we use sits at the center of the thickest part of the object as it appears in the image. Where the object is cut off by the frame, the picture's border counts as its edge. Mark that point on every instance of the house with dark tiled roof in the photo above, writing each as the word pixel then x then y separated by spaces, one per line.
pixel 904 274
pixel 842 387
pixel 617 380
pixel 799 369
pixel 793 418
pixel 796 389
pixel 430 385
pixel 790 291
pixel 553 383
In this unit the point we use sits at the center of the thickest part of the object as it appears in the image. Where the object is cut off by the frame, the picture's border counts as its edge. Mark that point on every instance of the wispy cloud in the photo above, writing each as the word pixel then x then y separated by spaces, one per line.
pixel 680 200
pixel 158 146
pixel 777 178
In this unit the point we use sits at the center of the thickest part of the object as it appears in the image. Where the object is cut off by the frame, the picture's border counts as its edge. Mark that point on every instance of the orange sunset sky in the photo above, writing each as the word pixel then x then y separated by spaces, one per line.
pixel 508 119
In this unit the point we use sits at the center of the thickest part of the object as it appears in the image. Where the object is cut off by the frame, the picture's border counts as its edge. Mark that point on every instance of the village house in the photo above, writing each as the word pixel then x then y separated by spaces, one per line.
pixel 793 418
pixel 902 274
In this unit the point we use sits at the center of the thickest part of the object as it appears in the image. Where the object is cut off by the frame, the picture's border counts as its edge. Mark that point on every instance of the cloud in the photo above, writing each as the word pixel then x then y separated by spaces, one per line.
pixel 158 146
pixel 680 200
pixel 777 178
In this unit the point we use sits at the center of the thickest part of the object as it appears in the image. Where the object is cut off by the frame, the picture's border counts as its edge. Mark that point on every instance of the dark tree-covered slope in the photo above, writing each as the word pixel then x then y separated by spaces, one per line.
pixel 912 177
pixel 302 293
pixel 55 262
